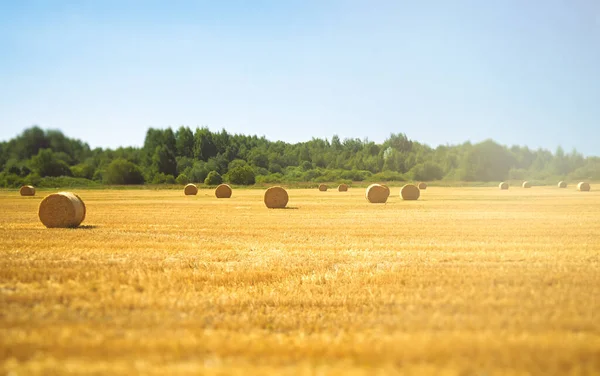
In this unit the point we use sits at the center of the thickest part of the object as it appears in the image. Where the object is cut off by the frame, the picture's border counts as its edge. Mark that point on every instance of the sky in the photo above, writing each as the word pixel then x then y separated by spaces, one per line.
pixel 442 72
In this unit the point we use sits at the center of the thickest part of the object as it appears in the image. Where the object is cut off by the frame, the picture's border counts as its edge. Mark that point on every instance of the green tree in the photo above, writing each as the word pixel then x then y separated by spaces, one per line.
pixel 213 178
pixel 242 175
pixel 121 171
pixel 45 163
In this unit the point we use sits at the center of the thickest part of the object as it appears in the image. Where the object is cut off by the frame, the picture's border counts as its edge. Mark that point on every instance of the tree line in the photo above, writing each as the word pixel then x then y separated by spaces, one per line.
pixel 40 157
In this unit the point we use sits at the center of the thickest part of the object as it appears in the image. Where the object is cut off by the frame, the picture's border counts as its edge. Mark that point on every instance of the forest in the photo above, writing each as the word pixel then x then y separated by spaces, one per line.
pixel 48 158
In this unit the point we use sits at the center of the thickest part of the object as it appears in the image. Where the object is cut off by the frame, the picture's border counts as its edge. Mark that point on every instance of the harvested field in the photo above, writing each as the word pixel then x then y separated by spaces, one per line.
pixel 462 281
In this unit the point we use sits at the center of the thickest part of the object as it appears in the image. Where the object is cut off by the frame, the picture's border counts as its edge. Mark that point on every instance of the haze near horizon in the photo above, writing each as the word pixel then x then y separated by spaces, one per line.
pixel 518 73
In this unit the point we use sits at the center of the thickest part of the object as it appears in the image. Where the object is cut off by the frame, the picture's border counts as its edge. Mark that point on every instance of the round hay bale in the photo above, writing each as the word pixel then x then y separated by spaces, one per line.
pixel 562 184
pixel 323 187
pixel 583 187
pixel 526 184
pixel 422 185
pixel 62 209
pixel 83 204
pixel 410 192
pixel 343 188
pixel 27 190
pixel 276 198
pixel 377 193
pixel 503 186
pixel 190 190
pixel 223 191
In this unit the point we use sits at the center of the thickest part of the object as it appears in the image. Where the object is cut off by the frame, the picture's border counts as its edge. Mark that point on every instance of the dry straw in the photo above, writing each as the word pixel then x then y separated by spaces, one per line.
pixel 276 198
pixel 410 192
pixel 27 190
pixel 377 193
pixel 503 185
pixel 583 187
pixel 526 184
pixel 223 191
pixel 190 190
pixel 323 187
pixel 62 209
pixel 562 184
pixel 343 188
pixel 422 185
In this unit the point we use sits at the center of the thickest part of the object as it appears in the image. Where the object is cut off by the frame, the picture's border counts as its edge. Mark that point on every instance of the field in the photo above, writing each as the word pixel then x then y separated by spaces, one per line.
pixel 464 281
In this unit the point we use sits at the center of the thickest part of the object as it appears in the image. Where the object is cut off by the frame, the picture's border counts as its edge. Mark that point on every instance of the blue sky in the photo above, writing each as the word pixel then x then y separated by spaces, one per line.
pixel 443 72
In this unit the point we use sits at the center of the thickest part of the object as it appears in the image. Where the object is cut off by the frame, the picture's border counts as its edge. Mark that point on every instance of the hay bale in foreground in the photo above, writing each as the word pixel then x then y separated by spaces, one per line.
pixel 190 190
pixel 343 188
pixel 62 209
pixel 503 186
pixel 562 184
pixel 422 185
pixel 377 193
pixel 276 198
pixel 526 184
pixel 323 187
pixel 410 192
pixel 223 191
pixel 583 187
pixel 27 190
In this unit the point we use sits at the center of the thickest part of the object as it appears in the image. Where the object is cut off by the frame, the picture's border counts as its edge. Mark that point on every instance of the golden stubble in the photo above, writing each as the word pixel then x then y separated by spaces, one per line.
pixel 462 281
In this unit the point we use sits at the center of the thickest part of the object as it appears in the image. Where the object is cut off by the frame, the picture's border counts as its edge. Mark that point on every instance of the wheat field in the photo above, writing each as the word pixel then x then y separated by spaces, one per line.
pixel 464 281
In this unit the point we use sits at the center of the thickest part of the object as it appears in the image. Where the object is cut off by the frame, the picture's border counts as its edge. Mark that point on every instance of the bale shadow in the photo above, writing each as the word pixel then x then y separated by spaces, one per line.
pixel 287 208
pixel 85 227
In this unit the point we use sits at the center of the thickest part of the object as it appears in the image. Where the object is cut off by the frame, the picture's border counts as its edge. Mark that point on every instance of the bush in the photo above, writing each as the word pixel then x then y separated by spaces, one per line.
pixel 83 170
pixel 427 171
pixel 387 176
pixel 65 182
pixel 213 178
pixel 271 178
pixel 199 172
pixel 162 178
pixel 242 175
pixel 121 171
pixel 182 179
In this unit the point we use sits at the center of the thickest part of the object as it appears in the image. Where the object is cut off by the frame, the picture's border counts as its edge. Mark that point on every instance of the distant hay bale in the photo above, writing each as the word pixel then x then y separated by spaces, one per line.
pixel 223 191
pixel 503 185
pixel 422 185
pixel 410 192
pixel 276 198
pixel 583 187
pixel 62 209
pixel 27 190
pixel 190 190
pixel 562 184
pixel 343 188
pixel 377 193
pixel 323 187
pixel 526 184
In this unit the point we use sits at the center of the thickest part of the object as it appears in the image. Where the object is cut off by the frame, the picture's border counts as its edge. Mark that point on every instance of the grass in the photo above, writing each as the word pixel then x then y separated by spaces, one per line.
pixel 463 281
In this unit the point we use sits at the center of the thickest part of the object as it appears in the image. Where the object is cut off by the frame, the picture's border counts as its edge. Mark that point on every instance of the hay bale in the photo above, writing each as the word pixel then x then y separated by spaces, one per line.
pixel 62 209
pixel 422 186
pixel 343 188
pixel 27 190
pixel 323 187
pixel 410 192
pixel 377 193
pixel 583 187
pixel 82 204
pixel 562 184
pixel 526 184
pixel 503 185
pixel 223 191
pixel 190 190
pixel 276 198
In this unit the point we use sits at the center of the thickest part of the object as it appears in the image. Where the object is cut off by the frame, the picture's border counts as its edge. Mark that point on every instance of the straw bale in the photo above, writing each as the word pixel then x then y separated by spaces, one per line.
pixel 583 187
pixel 27 190
pixel 503 185
pixel 562 184
pixel 276 198
pixel 410 192
pixel 377 193
pixel 62 209
pixel 190 189
pixel 223 191
pixel 343 188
